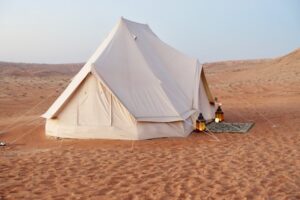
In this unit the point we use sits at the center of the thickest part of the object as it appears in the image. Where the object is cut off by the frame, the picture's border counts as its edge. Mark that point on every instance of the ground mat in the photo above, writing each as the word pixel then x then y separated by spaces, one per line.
pixel 225 127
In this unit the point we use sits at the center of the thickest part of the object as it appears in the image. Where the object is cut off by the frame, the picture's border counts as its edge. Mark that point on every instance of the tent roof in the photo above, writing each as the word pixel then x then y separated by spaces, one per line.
pixel 154 81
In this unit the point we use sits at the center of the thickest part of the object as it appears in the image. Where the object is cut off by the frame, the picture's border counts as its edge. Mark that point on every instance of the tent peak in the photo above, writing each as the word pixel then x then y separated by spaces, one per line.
pixel 127 21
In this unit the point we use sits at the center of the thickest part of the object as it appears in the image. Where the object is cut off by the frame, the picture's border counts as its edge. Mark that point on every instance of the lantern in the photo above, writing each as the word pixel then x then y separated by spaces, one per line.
pixel 219 115
pixel 200 123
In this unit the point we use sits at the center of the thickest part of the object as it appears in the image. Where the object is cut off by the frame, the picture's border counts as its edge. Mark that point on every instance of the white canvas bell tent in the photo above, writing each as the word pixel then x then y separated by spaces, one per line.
pixel 133 87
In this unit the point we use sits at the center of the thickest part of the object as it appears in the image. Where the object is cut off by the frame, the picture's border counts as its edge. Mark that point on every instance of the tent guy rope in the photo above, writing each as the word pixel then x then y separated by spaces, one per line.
pixel 12 124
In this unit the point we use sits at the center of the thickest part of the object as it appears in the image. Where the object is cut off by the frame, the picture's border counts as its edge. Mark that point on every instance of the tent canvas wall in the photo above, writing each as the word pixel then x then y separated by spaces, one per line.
pixel 133 87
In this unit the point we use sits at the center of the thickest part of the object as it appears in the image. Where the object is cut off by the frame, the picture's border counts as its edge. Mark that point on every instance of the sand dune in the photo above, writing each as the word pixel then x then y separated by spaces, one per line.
pixel 30 69
pixel 263 164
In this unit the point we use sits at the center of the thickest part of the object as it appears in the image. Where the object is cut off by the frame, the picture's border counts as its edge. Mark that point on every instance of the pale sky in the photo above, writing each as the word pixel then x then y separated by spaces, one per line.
pixel 68 31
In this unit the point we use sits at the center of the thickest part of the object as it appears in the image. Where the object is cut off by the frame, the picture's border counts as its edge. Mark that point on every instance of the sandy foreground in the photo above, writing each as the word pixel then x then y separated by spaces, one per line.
pixel 262 164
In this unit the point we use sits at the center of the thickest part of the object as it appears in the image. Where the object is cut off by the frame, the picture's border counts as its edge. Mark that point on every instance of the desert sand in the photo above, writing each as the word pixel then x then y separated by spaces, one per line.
pixel 262 164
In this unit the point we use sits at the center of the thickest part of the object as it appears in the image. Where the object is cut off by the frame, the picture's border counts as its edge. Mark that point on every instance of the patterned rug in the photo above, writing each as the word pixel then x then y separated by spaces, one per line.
pixel 225 127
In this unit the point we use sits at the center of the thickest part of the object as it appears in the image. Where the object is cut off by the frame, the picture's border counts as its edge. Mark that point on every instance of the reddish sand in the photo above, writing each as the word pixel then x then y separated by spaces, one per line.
pixel 262 164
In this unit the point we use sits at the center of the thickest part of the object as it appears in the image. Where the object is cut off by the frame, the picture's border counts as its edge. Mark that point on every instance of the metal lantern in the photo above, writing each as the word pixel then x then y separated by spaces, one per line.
pixel 219 115
pixel 200 123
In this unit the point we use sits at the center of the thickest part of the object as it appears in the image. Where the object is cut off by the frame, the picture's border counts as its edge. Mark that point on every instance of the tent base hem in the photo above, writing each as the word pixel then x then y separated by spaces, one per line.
pixel 140 131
